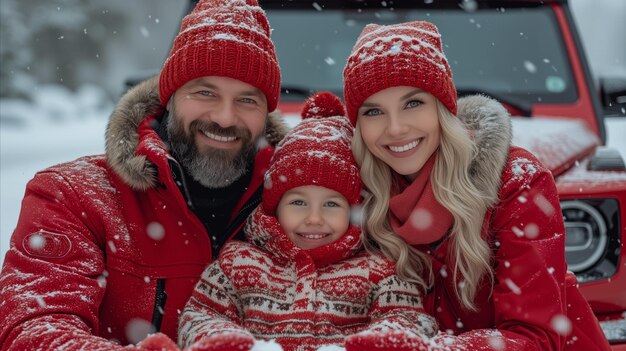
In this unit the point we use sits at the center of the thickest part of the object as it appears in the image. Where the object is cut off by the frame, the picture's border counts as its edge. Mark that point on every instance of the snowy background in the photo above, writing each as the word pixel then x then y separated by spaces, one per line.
pixel 54 107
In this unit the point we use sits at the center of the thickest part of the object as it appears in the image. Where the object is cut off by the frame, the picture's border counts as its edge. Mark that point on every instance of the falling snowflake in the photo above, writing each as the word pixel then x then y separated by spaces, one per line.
pixel 496 342
pixel 469 5
pixel 262 143
pixel 531 231
pixel 544 205
pixel 421 219
pixel 144 32
pixel 561 324
pixel 517 231
pixel 443 272
pixel 155 231
pixel 512 286
pixel 267 184
pixel 102 281
pixel 329 61
pixel 112 246
pixel 137 329
pixel 36 242
pixel 356 215
pixel 530 67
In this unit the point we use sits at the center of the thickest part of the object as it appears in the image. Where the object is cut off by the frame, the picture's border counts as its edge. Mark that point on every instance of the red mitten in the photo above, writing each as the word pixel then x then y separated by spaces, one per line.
pixel 391 340
pixel 157 342
pixel 223 342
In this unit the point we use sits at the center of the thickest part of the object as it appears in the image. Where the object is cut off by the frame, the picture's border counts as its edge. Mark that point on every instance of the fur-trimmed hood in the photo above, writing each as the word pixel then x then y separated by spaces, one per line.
pixel 122 137
pixel 490 126
pixel 486 119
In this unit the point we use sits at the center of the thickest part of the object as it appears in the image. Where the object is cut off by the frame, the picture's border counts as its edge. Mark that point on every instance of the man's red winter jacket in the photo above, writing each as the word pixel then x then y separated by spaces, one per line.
pixel 106 249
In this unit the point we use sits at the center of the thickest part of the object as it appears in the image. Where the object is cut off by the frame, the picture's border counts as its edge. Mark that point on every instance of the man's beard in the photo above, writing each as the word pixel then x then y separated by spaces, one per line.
pixel 213 167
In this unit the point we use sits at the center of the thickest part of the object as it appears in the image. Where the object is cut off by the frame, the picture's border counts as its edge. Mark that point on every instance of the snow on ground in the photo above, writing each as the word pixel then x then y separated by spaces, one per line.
pixel 24 151
pixel 58 126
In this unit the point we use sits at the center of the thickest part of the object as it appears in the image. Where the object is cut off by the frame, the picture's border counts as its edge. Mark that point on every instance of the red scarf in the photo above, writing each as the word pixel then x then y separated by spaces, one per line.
pixel 414 212
pixel 265 231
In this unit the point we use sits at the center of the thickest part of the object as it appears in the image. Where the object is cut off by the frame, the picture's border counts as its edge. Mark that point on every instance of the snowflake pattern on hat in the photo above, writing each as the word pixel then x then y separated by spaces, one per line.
pixel 227 38
pixel 405 54
pixel 316 152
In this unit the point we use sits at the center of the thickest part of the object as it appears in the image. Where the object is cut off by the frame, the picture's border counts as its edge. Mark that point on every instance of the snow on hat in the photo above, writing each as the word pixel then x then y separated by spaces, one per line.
pixel 228 38
pixel 405 54
pixel 316 152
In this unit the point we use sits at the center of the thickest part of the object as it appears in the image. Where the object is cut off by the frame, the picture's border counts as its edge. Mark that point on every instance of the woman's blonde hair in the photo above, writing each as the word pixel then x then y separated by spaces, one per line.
pixel 454 189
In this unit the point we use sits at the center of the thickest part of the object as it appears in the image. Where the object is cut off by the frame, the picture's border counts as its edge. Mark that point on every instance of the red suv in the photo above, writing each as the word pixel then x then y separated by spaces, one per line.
pixel 526 54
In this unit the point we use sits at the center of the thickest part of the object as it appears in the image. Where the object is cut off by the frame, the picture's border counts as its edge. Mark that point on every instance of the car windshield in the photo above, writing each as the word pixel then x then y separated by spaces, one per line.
pixel 513 52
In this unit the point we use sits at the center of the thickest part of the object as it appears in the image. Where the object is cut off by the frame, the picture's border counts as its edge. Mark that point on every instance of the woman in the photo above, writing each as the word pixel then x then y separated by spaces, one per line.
pixel 476 222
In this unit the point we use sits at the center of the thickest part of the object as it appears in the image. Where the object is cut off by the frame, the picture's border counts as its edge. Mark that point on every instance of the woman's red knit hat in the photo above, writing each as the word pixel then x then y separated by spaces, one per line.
pixel 405 54
pixel 315 152
pixel 228 38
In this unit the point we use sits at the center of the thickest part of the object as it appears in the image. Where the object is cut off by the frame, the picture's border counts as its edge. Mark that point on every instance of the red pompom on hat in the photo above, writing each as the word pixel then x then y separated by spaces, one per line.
pixel 404 54
pixel 322 104
pixel 227 38
pixel 315 152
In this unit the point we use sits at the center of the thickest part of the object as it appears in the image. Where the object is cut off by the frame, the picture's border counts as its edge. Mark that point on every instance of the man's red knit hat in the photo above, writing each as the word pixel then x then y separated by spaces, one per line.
pixel 405 54
pixel 228 38
pixel 315 152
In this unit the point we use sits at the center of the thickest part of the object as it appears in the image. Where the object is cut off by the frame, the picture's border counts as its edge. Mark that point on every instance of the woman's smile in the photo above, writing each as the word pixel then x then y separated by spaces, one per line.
pixel 401 148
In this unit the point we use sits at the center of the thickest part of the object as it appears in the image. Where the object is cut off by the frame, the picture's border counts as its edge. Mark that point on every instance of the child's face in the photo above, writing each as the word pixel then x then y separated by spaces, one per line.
pixel 313 216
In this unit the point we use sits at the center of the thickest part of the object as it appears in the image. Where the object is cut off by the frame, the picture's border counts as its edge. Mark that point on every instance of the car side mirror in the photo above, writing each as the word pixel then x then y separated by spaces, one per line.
pixel 613 96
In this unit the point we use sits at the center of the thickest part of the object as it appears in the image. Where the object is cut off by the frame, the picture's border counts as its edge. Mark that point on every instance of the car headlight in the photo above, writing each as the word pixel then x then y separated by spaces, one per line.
pixel 585 240
pixel 592 237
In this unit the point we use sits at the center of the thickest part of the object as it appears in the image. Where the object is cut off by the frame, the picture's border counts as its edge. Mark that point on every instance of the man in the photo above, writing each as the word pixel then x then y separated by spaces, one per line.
pixel 108 249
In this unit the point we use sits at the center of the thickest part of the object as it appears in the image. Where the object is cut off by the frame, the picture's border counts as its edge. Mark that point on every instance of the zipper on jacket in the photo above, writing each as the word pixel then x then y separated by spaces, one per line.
pixel 159 304
pixel 245 211
pixel 178 174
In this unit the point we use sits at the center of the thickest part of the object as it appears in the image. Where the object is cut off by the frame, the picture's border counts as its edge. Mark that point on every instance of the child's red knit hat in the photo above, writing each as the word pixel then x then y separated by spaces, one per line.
pixel 405 54
pixel 316 152
pixel 228 38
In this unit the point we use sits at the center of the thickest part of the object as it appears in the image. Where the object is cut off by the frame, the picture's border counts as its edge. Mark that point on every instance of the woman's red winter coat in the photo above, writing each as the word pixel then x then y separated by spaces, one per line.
pixel 534 301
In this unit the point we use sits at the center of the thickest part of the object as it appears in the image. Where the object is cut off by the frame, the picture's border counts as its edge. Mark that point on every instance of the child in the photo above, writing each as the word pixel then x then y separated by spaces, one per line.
pixel 304 279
